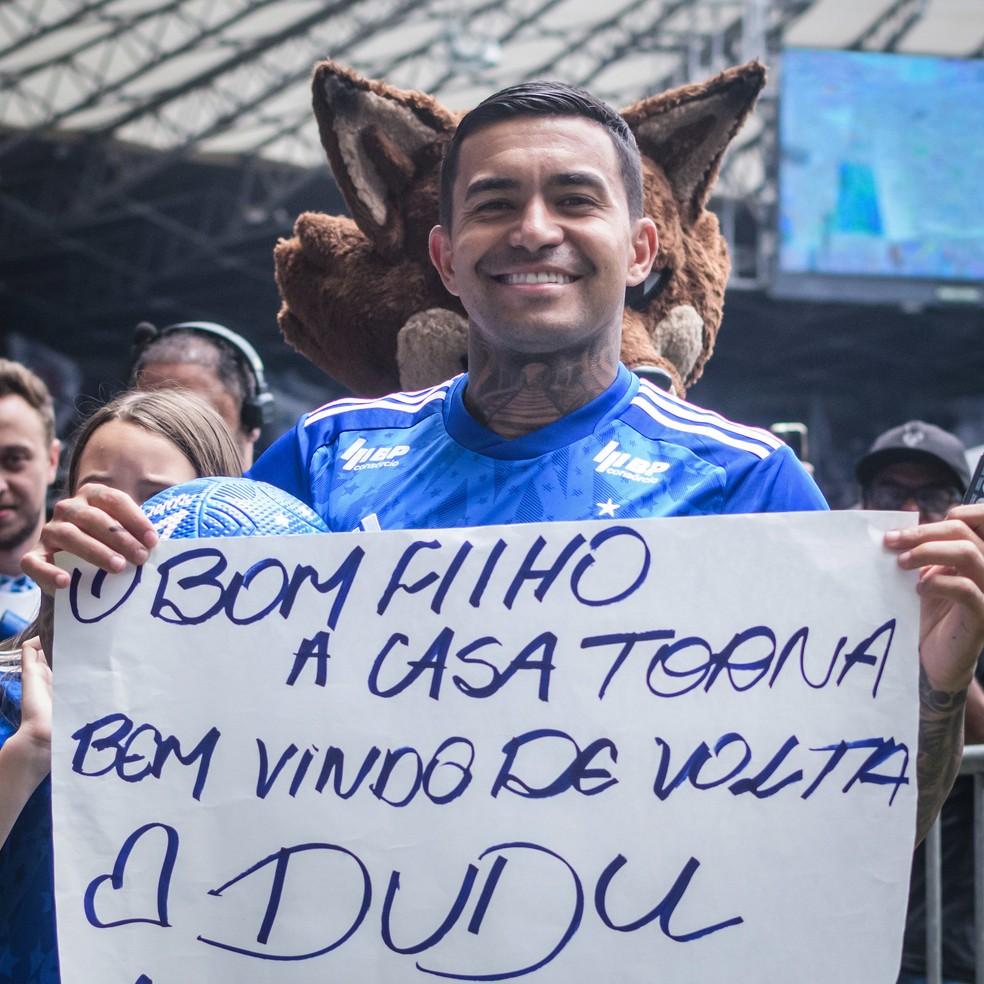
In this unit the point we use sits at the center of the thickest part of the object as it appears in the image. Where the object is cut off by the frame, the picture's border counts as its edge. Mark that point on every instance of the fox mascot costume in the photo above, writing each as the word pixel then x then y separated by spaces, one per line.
pixel 361 299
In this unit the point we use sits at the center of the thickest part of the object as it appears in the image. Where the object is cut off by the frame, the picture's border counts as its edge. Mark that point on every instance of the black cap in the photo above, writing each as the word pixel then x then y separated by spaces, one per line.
pixel 916 441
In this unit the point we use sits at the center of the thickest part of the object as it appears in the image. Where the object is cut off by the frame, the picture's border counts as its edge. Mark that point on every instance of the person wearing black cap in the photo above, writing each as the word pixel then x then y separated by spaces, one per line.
pixel 915 466
pixel 921 467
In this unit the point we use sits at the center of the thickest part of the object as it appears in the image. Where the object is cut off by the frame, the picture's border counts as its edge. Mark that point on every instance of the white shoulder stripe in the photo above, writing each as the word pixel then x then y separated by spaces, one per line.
pixel 433 389
pixel 687 411
pixel 383 403
pixel 409 397
pixel 707 430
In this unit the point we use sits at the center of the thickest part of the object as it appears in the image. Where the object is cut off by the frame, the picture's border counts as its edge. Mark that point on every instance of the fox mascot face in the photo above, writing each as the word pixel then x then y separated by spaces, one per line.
pixel 361 299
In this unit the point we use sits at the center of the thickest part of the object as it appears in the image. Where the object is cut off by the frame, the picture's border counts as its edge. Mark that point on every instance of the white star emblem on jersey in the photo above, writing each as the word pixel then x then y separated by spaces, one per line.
pixel 608 508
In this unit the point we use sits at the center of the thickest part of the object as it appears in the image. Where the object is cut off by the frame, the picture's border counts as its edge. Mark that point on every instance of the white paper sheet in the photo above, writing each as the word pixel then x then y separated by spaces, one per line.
pixel 674 750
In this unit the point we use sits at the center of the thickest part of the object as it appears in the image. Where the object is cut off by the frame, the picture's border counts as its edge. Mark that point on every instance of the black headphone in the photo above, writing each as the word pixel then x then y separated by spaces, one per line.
pixel 656 375
pixel 257 408
pixel 639 296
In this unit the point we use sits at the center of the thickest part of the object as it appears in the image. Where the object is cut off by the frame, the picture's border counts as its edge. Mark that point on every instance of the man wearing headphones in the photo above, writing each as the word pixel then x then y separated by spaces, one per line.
pixel 213 361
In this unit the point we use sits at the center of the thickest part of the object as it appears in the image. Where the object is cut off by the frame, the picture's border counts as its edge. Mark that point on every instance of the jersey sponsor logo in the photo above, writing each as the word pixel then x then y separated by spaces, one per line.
pixel 613 461
pixel 359 457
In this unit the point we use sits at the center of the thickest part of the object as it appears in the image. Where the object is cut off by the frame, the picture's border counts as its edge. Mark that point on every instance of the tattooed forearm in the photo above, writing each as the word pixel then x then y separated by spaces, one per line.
pixel 941 716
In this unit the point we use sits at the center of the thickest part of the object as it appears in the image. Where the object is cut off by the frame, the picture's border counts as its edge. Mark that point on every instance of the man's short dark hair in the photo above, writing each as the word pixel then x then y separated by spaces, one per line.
pixel 545 99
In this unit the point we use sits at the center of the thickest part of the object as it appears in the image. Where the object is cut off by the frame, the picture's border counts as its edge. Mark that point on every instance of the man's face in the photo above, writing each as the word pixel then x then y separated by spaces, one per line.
pixel 204 381
pixel 27 468
pixel 918 485
pixel 542 245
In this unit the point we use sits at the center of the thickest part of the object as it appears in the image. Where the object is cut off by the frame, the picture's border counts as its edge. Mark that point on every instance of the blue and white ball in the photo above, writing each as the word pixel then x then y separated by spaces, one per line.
pixel 207 507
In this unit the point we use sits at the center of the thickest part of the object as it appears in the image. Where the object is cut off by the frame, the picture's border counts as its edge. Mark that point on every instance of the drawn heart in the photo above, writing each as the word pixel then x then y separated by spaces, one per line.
pixel 116 880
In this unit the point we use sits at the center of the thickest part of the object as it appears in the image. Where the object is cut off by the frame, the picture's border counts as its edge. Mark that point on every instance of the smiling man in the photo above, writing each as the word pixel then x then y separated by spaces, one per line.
pixel 28 460
pixel 541 234
pixel 539 240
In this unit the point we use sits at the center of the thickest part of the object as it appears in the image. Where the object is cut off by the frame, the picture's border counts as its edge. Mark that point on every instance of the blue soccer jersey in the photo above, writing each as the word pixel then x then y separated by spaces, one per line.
pixel 421 461
pixel 28 938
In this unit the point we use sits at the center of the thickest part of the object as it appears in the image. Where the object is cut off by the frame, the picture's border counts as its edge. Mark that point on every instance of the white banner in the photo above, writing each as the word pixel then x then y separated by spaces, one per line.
pixel 680 750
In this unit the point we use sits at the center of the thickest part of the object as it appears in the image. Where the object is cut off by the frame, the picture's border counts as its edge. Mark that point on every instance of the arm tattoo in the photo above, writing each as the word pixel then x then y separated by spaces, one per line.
pixel 941 716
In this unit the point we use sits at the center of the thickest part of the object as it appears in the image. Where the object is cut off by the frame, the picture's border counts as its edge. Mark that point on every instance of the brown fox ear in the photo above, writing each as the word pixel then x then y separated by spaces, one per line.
pixel 379 140
pixel 687 130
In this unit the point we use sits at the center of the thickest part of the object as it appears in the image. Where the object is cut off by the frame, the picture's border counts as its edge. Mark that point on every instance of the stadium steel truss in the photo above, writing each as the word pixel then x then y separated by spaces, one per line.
pixel 152 151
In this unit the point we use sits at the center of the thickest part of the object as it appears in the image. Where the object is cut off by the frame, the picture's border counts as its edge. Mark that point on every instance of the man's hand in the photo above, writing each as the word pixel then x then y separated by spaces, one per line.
pixel 98 524
pixel 974 715
pixel 950 558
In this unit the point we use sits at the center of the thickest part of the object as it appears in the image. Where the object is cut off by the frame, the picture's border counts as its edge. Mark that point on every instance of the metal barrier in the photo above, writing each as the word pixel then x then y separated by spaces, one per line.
pixel 971 765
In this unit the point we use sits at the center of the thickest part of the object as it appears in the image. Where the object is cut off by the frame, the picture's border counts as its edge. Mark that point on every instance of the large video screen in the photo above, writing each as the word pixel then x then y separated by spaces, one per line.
pixel 881 169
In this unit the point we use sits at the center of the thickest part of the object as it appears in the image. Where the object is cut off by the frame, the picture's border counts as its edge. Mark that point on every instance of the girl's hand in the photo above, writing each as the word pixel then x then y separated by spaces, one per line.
pixel 101 525
pixel 35 726
pixel 25 757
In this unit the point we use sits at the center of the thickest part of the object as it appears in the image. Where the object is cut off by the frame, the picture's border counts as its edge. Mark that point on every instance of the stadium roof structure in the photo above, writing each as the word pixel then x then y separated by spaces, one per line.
pixel 152 151
pixel 151 141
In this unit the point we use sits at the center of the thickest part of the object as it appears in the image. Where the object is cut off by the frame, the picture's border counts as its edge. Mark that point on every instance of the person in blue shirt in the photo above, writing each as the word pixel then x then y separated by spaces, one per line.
pixel 27 902
pixel 139 443
pixel 29 452
pixel 541 232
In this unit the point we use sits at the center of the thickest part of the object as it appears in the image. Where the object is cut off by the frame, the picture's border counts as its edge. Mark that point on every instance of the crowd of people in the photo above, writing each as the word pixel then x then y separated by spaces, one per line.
pixel 541 233
pixel 138 444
